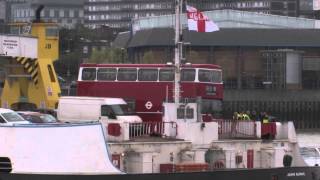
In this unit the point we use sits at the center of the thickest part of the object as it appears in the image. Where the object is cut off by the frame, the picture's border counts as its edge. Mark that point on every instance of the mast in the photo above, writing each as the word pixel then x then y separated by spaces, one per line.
pixel 178 50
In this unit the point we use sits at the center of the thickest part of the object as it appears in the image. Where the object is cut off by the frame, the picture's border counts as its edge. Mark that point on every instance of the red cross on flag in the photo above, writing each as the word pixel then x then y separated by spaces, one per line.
pixel 199 22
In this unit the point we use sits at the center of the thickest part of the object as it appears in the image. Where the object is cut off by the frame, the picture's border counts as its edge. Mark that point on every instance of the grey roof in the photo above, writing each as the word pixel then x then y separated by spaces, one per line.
pixel 228 18
pixel 229 37
pixel 121 40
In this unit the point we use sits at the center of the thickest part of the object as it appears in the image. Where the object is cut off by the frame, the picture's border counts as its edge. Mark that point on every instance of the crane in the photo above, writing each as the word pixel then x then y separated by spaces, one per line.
pixel 30 78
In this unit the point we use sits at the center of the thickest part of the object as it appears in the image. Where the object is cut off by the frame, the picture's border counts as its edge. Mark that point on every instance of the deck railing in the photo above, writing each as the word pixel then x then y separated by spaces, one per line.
pixel 229 129
pixel 150 129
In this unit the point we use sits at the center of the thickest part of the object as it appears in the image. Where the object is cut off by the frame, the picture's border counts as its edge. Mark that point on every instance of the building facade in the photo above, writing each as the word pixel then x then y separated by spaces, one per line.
pixel 277 7
pixel 66 13
pixel 7 9
pixel 120 13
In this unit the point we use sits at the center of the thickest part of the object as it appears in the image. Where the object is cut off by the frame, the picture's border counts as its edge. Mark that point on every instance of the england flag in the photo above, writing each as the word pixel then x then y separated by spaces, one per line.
pixel 199 22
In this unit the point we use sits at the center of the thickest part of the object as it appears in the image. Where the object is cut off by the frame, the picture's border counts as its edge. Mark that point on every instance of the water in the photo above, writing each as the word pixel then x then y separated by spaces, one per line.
pixel 309 138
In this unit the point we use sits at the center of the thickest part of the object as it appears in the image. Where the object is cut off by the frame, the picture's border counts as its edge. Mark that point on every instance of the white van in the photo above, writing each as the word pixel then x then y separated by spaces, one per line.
pixel 80 108
pixel 10 117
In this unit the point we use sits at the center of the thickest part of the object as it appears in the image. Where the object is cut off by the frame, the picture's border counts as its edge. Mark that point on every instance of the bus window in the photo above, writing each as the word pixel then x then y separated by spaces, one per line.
pixel 88 74
pixel 217 76
pixel 209 76
pixel 107 74
pixel 166 75
pixel 205 75
pixel 188 74
pixel 148 75
pixel 127 74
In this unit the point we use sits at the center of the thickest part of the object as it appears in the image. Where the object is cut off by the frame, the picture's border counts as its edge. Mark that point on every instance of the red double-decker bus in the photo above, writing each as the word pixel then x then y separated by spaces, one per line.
pixel 146 86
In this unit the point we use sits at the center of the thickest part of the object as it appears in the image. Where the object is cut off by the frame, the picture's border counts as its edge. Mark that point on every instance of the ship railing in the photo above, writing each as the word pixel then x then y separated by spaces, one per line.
pixel 230 129
pixel 157 129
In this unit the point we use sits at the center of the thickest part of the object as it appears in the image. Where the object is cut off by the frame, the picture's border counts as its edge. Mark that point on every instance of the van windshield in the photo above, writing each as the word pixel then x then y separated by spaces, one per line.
pixel 116 109
pixel 12 117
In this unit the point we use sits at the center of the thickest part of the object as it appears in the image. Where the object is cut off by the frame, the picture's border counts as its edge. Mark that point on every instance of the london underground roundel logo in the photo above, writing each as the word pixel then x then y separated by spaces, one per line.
pixel 148 105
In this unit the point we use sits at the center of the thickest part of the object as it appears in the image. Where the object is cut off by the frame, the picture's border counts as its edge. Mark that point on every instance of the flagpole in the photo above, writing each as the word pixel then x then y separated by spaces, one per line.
pixel 178 50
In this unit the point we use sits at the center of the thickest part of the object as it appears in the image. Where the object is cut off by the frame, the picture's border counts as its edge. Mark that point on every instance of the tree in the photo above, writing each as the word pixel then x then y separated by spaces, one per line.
pixel 68 63
pixel 109 55
pixel 148 57
pixel 72 42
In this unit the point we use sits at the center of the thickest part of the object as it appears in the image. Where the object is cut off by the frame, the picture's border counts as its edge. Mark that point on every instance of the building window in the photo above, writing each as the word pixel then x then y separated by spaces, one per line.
pixel 51 13
pixel 46 13
pixel 66 13
pixel 76 13
pixel 32 13
pixel 71 13
pixel 61 13
pixel 81 13
pixel 56 13
pixel 52 31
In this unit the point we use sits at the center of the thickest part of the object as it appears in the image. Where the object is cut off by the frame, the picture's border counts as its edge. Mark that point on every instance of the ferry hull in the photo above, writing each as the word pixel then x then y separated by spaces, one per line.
pixel 292 173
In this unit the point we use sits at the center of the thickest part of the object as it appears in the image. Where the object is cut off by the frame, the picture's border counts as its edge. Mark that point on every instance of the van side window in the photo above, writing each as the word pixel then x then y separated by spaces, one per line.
pixel 107 111
pixel 131 102
pixel 2 120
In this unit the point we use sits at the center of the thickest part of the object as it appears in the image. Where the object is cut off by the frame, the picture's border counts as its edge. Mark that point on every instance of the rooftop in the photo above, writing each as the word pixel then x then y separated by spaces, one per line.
pixel 225 37
pixel 231 19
